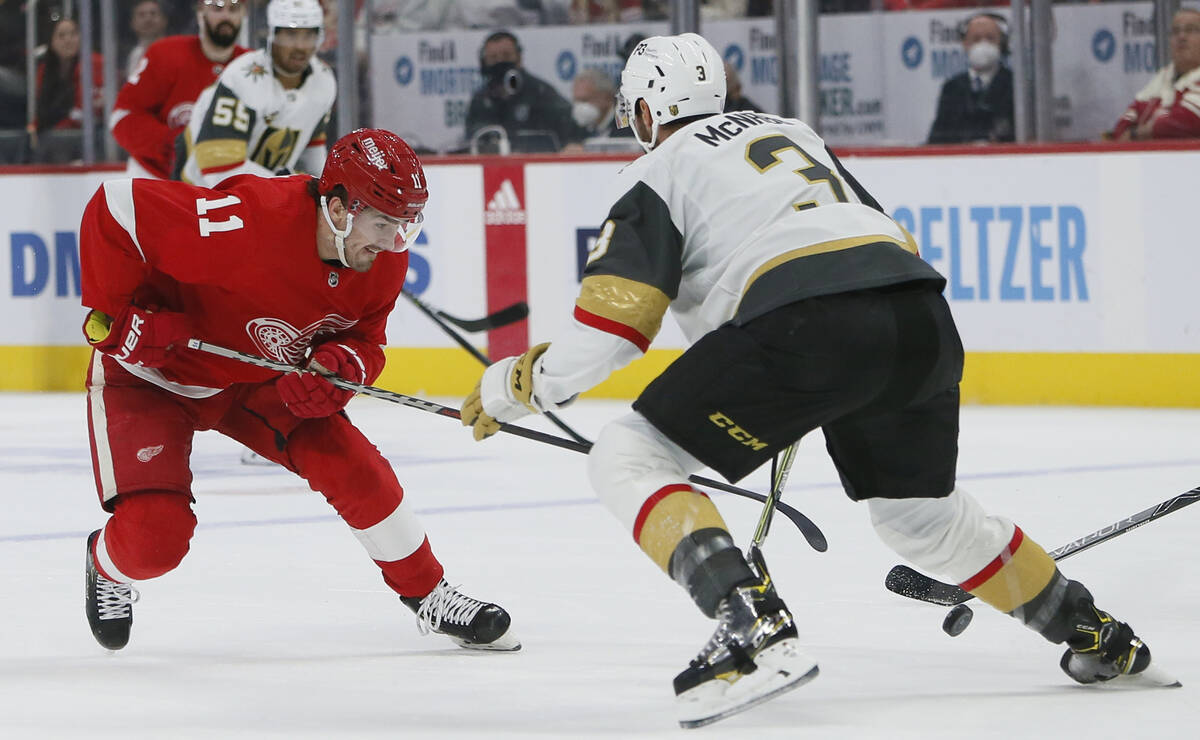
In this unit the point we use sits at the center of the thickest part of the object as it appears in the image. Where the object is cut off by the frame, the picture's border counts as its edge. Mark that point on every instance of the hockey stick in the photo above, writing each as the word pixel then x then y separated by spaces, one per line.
pixel 811 532
pixel 436 316
pixel 781 468
pixel 505 316
pixel 905 581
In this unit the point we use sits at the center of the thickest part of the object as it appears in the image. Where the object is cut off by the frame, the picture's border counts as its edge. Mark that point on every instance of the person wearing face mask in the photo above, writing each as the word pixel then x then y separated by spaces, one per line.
pixel 977 105
pixel 532 114
pixel 592 102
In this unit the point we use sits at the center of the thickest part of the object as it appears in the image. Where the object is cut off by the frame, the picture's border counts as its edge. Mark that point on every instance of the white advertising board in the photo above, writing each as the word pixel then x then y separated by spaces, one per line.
pixel 39 273
pixel 1068 252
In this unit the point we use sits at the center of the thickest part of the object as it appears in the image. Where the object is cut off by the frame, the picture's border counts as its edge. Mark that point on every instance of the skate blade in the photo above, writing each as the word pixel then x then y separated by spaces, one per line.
pixel 505 643
pixel 781 668
pixel 1151 678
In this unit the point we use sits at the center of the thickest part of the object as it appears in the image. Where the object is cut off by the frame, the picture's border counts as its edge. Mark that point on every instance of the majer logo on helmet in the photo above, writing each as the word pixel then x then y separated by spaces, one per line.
pixel 677 76
pixel 378 170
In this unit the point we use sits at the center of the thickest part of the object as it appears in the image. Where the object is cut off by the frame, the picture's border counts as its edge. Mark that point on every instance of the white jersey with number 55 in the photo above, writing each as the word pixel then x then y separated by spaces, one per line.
pixel 247 123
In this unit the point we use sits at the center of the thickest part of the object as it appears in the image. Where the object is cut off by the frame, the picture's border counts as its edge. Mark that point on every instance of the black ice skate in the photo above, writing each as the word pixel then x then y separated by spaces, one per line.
pixel 109 604
pixel 1102 648
pixel 752 657
pixel 471 623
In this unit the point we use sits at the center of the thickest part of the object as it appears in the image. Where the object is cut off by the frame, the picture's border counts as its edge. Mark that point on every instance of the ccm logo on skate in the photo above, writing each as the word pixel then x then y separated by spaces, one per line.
pixel 131 339
pixel 735 431
pixel 147 453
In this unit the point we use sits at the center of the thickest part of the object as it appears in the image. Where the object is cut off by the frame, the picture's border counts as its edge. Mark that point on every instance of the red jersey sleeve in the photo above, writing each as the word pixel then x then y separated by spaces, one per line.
pixel 112 266
pixel 1129 119
pixel 1182 119
pixel 136 118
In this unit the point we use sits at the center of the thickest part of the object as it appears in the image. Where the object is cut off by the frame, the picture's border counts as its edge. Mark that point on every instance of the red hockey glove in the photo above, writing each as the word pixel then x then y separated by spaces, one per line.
pixel 310 396
pixel 138 336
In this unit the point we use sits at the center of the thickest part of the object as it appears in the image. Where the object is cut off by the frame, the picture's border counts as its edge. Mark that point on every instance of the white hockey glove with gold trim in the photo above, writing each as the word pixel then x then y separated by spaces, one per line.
pixel 503 394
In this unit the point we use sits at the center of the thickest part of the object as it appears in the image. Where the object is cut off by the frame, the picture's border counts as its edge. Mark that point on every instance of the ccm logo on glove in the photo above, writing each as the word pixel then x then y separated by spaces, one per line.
pixel 310 395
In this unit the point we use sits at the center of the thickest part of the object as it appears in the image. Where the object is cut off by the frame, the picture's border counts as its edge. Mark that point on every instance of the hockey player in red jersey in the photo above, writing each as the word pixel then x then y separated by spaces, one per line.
pixel 155 103
pixel 296 269
pixel 806 306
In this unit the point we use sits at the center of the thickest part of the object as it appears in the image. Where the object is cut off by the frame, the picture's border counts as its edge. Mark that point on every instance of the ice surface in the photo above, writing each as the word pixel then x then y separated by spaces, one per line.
pixel 278 625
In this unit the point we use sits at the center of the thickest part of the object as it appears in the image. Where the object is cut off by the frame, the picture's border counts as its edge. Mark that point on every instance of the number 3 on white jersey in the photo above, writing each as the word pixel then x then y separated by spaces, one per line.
pixel 209 227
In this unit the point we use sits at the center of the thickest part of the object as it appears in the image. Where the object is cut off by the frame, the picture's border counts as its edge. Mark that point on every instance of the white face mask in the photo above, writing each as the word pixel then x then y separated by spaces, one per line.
pixel 983 55
pixel 585 114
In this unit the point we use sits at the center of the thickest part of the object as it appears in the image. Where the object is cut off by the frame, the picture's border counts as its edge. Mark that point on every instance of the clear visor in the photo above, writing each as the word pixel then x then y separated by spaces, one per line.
pixel 624 111
pixel 407 231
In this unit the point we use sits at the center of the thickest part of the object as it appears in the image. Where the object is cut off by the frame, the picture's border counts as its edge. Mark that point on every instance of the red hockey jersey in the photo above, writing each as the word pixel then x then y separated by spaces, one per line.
pixel 241 262
pixel 155 103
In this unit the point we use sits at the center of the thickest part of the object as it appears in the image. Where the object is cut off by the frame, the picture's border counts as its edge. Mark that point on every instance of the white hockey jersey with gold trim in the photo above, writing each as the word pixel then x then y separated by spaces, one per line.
pixel 247 123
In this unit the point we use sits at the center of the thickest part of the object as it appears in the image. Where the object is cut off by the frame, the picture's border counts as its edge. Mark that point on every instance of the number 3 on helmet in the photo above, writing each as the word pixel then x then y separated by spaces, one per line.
pixel 380 171
pixel 677 76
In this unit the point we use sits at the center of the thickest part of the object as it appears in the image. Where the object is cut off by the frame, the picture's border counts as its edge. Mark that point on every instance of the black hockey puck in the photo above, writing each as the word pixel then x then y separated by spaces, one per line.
pixel 957 620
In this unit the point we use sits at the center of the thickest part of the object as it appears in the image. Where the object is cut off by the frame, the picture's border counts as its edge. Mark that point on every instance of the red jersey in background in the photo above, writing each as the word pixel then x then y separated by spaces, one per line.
pixel 155 103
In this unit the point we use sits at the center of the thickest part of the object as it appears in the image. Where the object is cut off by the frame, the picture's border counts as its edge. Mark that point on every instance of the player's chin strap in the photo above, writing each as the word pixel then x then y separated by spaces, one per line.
pixel 339 237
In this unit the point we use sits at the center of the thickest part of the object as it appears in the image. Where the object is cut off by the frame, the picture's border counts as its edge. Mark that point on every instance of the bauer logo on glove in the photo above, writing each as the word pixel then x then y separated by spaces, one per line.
pixel 138 336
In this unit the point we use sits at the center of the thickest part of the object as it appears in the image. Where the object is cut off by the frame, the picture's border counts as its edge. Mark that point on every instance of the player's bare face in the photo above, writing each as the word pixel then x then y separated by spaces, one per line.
pixel 222 21
pixel 292 48
pixel 373 234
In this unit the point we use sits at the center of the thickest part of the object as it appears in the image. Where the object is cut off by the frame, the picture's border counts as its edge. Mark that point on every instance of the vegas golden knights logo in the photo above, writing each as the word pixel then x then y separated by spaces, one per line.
pixel 275 147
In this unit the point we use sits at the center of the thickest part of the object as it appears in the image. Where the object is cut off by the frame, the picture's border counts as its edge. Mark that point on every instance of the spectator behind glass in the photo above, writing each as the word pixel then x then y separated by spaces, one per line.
pixel 1169 106
pixel 593 100
pixel 734 100
pixel 533 116
pixel 59 92
pixel 148 23
pixel 155 103
pixel 977 105
pixel 12 65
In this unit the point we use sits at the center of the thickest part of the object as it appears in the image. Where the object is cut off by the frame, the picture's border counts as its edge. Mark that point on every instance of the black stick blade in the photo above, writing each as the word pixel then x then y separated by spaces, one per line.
pixel 505 316
pixel 905 581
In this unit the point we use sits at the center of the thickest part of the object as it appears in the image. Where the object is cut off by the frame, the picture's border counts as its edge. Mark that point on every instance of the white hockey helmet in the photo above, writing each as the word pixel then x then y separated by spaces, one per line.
pixel 295 14
pixel 677 76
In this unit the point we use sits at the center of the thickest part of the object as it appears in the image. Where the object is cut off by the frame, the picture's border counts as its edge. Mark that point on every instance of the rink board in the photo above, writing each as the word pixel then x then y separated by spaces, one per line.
pixel 1068 271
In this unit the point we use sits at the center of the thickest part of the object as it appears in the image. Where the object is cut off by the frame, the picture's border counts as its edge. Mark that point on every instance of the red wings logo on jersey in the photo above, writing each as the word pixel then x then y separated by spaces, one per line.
pixel 180 115
pixel 279 340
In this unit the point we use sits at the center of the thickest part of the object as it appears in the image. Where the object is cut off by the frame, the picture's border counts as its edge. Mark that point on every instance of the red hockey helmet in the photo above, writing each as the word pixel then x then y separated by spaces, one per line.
pixel 381 171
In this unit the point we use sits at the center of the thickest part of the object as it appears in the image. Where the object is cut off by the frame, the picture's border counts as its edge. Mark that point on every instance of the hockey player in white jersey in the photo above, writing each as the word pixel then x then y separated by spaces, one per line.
pixel 806 306
pixel 267 112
